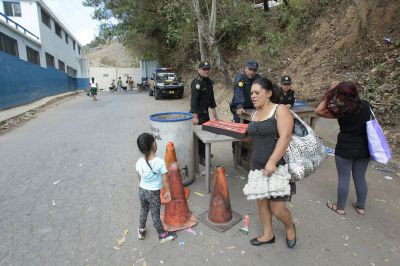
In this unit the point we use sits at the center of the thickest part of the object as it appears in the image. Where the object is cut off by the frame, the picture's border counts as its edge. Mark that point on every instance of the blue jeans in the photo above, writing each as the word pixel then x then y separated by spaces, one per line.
pixel 357 168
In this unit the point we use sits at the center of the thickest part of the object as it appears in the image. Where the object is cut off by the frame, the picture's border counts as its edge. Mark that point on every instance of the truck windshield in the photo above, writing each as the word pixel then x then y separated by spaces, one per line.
pixel 166 76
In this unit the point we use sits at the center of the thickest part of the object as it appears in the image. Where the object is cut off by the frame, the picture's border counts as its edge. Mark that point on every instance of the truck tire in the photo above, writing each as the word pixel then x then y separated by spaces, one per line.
pixel 180 95
pixel 156 94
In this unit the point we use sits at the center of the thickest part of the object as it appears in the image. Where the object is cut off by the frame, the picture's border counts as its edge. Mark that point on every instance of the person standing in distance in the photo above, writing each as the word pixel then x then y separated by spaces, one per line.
pixel 241 91
pixel 202 98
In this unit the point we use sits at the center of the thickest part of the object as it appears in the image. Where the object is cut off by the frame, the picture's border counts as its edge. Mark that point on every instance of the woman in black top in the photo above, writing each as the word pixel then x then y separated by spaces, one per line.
pixel 342 102
pixel 271 130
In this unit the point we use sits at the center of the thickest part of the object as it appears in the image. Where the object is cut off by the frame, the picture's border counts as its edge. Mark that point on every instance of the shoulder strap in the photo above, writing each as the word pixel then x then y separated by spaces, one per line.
pixel 253 114
pixel 276 108
pixel 372 115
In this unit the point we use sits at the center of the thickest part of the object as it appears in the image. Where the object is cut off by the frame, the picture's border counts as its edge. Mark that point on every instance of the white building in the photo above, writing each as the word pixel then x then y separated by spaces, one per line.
pixel 30 31
pixel 105 75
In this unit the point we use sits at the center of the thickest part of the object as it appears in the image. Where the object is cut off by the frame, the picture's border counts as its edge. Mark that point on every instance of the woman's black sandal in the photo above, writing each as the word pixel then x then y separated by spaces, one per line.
pixel 331 207
pixel 359 210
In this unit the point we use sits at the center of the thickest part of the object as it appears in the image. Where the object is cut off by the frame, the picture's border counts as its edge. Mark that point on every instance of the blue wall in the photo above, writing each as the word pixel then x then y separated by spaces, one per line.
pixel 22 82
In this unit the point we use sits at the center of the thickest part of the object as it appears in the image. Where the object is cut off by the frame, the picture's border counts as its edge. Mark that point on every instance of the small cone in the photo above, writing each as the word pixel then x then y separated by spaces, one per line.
pixel 177 215
pixel 170 155
pixel 220 216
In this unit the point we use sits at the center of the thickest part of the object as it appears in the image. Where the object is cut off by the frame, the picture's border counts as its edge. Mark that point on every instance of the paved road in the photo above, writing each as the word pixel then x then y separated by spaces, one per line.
pixel 89 149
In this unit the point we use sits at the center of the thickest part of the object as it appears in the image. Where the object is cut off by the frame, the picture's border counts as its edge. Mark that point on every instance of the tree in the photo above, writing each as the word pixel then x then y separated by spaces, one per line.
pixel 209 35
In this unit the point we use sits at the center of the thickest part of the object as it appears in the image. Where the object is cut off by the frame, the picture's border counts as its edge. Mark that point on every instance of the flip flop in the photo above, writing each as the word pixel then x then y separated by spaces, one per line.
pixel 331 207
pixel 358 210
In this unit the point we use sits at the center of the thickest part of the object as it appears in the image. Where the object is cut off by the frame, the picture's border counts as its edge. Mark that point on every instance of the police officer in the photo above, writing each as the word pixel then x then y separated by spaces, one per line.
pixel 202 99
pixel 287 94
pixel 241 91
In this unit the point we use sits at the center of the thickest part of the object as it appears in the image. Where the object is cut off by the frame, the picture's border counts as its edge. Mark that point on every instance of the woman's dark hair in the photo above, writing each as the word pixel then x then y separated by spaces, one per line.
pixel 343 99
pixel 266 84
pixel 145 141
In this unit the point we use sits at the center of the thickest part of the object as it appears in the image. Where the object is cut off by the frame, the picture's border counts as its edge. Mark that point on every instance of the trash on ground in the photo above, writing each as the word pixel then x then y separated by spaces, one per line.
pixel 123 239
pixel 232 247
pixel 162 262
pixel 191 231
pixel 355 254
pixel 246 224
pixel 116 248
pixel 380 200
pixel 56 182
pixel 199 194
pixel 54 203
pixel 80 164
pixel 181 243
pixel 329 151
pixel 346 238
pixel 388 40
pixel 385 169
pixel 388 177
pixel 325 249
pixel 243 252
pixel 358 228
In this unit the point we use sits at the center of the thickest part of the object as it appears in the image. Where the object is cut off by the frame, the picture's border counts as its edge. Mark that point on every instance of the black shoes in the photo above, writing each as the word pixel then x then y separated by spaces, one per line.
pixel 256 242
pixel 292 243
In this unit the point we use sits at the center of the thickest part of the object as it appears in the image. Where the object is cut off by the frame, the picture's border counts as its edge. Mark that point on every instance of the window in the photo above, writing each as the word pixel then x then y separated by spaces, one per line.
pixel 61 65
pixel 50 60
pixel 57 30
pixel 33 56
pixel 79 50
pixel 46 19
pixel 66 38
pixel 12 9
pixel 73 45
pixel 71 72
pixel 8 45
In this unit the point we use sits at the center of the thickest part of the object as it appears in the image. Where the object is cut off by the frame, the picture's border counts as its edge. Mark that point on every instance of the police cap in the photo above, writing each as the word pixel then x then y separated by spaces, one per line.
pixel 204 65
pixel 252 64
pixel 286 80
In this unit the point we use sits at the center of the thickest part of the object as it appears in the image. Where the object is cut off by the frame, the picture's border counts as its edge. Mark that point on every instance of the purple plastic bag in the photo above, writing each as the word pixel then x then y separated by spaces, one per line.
pixel 377 143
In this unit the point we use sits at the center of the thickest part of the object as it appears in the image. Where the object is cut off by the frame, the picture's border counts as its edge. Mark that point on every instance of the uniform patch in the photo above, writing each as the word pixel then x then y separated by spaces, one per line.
pixel 240 84
pixel 198 86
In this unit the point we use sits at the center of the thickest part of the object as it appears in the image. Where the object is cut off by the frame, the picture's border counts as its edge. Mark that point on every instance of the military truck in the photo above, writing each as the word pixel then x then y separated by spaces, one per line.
pixel 165 82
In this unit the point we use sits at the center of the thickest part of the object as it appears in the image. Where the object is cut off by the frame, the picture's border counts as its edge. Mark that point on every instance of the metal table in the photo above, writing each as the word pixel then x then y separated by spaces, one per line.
pixel 208 138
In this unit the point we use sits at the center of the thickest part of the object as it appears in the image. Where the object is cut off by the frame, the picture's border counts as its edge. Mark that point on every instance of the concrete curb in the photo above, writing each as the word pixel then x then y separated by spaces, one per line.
pixel 18 112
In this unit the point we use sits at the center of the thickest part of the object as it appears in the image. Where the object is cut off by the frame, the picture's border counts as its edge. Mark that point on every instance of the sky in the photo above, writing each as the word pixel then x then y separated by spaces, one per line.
pixel 76 17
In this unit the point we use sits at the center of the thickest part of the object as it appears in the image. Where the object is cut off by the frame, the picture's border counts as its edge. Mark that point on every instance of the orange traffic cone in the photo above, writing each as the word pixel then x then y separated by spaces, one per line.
pixel 170 157
pixel 177 215
pixel 220 216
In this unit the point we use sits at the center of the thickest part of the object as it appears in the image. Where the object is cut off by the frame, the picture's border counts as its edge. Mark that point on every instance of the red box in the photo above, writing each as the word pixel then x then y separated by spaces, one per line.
pixel 230 129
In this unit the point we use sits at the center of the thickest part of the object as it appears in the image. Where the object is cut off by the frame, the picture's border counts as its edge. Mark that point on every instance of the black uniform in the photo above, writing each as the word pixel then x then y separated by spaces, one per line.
pixel 202 99
pixel 287 98
pixel 241 94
